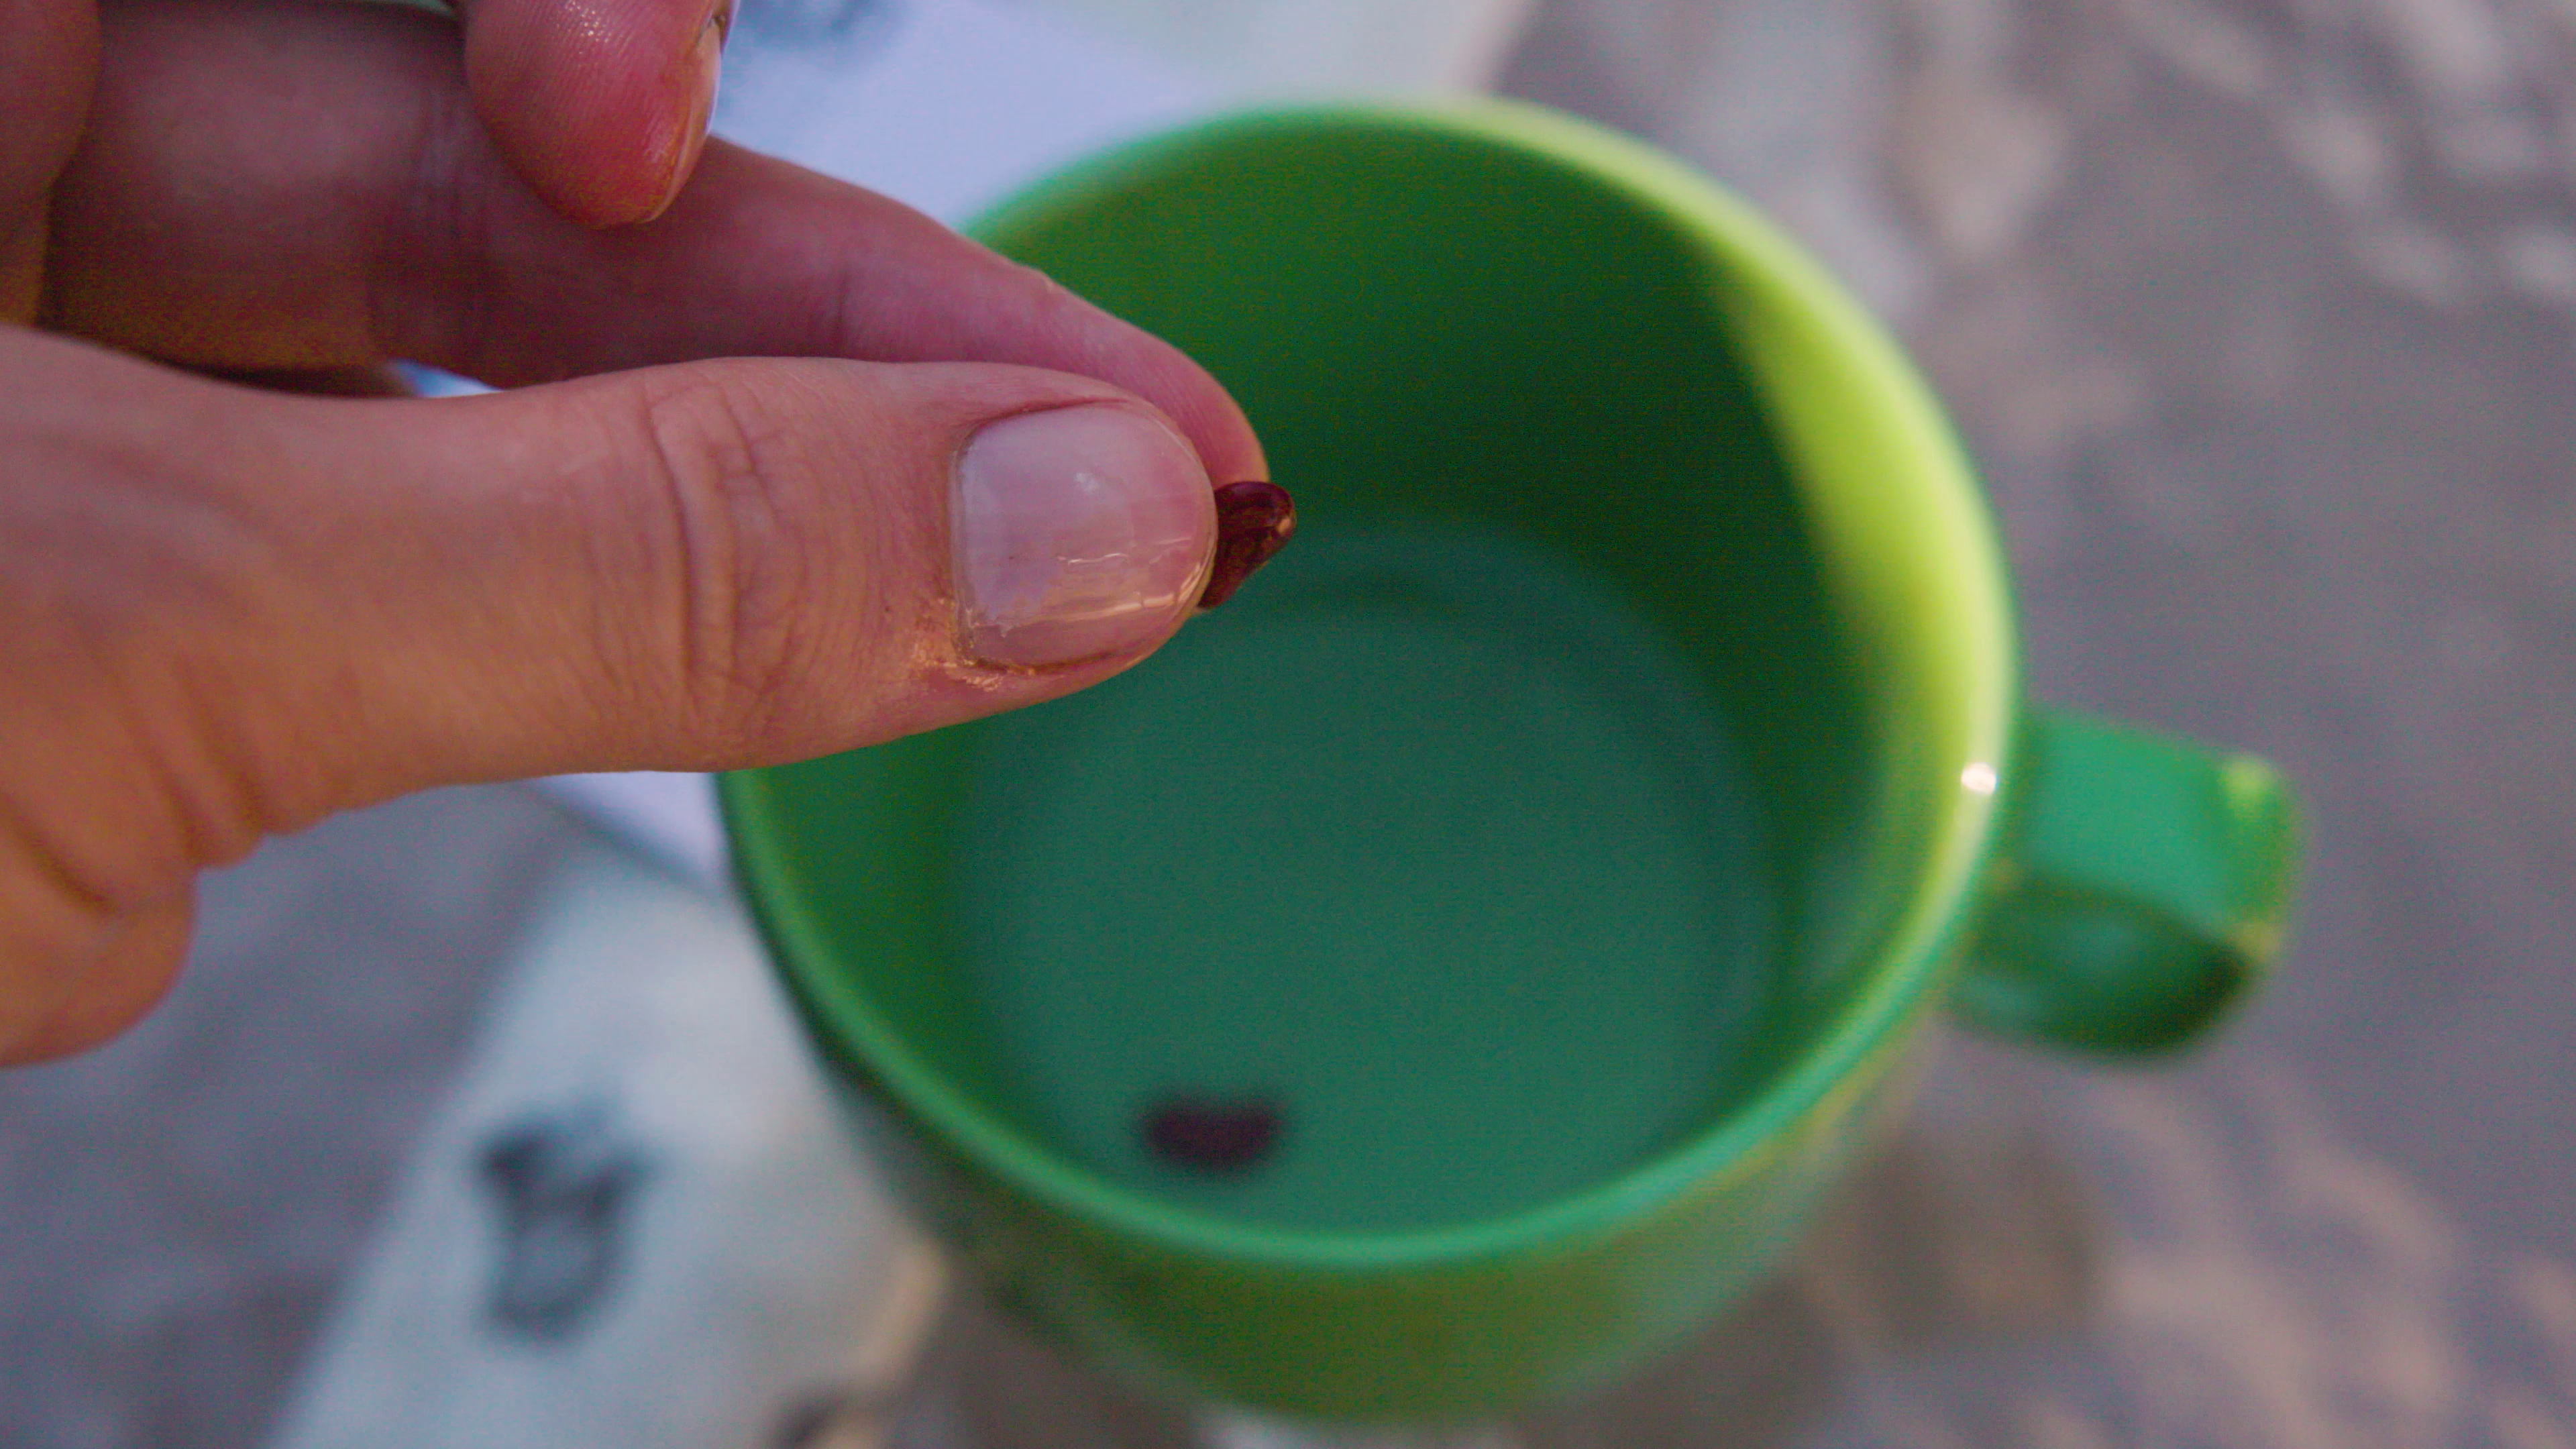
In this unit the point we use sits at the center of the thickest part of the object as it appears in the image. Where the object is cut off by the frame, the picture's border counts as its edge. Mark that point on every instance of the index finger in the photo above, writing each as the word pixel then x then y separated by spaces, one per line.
pixel 269 184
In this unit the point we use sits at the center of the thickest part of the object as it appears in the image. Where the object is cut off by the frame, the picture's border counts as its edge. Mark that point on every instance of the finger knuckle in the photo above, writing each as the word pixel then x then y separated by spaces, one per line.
pixel 131 606
pixel 736 475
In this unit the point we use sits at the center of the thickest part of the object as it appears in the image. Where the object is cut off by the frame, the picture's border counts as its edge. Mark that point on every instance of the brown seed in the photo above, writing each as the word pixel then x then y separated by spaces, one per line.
pixel 1213 1136
pixel 1253 519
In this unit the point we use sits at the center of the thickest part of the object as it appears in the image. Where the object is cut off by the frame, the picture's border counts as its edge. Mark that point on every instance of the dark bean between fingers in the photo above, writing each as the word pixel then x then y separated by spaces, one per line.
pixel 1254 520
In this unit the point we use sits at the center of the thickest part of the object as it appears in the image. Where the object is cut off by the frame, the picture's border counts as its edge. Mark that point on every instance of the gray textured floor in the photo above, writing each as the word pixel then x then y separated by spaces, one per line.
pixel 180 1206
pixel 2262 316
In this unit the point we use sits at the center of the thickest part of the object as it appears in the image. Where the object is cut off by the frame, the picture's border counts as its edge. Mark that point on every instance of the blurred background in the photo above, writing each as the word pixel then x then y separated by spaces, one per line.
pixel 2261 318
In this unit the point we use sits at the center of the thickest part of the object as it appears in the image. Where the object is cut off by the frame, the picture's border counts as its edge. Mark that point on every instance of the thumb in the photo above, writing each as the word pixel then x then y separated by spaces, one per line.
pixel 288 606
pixel 727 563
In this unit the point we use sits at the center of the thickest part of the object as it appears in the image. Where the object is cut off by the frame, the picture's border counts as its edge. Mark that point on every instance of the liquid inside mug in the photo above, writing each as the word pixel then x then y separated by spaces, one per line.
pixel 1441 978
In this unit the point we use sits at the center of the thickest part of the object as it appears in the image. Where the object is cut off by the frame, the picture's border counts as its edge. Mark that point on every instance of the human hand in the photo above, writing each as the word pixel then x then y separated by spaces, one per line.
pixel 226 612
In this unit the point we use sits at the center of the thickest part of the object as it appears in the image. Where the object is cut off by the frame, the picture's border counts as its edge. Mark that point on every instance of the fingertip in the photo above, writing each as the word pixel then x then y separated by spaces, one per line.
pixel 687 140
pixel 605 123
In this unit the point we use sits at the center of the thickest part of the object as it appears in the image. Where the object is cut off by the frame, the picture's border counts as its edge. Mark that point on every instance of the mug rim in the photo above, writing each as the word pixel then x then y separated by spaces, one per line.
pixel 1905 959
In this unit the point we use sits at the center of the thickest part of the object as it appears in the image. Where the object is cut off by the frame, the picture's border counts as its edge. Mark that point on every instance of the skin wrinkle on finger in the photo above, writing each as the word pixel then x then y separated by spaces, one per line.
pixel 41 898
pixel 133 966
pixel 49 915
pixel 666 645
pixel 736 610
pixel 134 595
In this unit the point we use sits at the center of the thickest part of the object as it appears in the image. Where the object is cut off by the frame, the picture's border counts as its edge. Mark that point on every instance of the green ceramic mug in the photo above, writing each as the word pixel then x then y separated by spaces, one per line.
pixel 1442 977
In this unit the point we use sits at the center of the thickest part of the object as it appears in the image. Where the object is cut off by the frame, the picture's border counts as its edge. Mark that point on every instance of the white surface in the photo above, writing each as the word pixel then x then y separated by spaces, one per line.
pixel 1307 47
pixel 758 1270
pixel 950 104
pixel 667 815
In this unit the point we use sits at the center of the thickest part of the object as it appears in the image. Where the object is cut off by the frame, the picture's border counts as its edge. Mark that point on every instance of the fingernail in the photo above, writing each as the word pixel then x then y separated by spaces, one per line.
pixel 1079 532
pixel 1253 521
pixel 701 70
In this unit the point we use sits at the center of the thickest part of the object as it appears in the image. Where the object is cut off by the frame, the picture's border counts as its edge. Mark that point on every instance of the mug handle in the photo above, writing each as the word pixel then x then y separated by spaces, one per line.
pixel 2141 890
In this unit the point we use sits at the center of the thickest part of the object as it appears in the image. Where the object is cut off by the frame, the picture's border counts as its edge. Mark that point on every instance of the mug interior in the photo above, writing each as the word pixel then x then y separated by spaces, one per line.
pixel 1600 771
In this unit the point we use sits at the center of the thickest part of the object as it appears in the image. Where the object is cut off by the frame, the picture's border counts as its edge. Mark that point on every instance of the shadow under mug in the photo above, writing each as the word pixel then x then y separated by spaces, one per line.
pixel 1441 978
